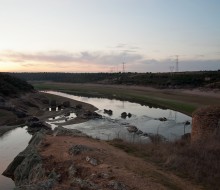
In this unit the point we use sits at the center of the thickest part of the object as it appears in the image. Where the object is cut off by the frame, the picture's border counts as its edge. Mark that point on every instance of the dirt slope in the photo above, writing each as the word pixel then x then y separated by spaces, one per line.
pixel 115 169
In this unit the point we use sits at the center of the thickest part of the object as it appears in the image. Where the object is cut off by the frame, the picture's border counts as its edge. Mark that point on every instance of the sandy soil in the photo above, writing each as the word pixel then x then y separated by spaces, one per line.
pixel 113 165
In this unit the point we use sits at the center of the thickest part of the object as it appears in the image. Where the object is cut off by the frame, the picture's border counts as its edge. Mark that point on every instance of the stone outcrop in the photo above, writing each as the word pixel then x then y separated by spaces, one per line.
pixel 205 123
pixel 109 112
pixel 125 114
pixel 60 131
pixel 27 166
pixel 35 125
pixel 90 115
pixel 132 129
pixel 27 169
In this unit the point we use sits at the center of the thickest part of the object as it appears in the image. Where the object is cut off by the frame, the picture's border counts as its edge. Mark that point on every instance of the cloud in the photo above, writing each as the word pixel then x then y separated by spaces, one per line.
pixel 87 61
pixel 62 57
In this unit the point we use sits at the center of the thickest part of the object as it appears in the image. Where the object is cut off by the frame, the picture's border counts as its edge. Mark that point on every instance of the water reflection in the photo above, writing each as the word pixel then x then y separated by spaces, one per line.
pixel 11 144
pixel 143 117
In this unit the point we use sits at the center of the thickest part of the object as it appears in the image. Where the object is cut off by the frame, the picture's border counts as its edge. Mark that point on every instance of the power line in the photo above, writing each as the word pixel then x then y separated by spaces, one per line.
pixel 177 63
pixel 123 67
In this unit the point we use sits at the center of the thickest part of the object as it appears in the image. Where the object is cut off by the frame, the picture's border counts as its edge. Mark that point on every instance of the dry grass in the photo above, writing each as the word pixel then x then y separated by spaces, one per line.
pixel 199 161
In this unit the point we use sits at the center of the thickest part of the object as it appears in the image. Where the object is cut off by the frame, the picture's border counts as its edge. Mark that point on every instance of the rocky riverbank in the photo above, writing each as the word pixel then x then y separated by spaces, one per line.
pixel 68 159
pixel 21 110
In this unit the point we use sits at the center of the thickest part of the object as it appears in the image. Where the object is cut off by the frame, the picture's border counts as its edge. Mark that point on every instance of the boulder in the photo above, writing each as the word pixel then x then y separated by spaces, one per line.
pixel 123 115
pixel 116 185
pixel 90 115
pixel 139 132
pixel 35 126
pixel 187 123
pixel 109 112
pixel 22 164
pixel 163 119
pixel 132 129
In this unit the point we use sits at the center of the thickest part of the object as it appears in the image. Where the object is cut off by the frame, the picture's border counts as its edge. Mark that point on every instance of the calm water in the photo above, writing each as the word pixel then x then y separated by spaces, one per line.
pixel 11 143
pixel 144 117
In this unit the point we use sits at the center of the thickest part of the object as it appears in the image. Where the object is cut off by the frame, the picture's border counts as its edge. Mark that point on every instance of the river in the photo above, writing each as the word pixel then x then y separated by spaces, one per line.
pixel 110 127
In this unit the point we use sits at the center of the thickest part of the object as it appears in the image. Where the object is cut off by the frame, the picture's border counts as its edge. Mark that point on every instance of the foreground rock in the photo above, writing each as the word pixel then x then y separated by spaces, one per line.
pixel 35 125
pixel 67 159
pixel 27 165
pixel 27 169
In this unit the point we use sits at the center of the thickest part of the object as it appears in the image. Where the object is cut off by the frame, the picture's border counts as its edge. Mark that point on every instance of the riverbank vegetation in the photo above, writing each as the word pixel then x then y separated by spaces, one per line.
pixel 10 86
pixel 197 161
pixel 210 79
pixel 175 99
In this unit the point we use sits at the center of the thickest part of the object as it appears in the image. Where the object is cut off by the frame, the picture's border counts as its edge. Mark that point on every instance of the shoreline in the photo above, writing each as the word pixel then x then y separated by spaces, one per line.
pixel 41 111
pixel 182 100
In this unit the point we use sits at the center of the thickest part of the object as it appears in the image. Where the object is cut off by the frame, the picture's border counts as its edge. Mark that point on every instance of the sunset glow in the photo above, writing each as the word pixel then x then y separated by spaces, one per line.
pixel 99 35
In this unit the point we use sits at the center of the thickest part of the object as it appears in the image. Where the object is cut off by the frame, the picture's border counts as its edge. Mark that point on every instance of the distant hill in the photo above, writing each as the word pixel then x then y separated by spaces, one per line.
pixel 10 85
pixel 209 79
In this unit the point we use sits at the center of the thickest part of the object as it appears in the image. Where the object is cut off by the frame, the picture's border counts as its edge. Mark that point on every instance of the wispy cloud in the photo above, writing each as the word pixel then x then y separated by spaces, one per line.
pixel 87 61
pixel 61 57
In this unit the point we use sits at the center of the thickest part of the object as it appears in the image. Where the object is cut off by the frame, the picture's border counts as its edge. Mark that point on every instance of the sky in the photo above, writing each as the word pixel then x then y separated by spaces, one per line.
pixel 101 35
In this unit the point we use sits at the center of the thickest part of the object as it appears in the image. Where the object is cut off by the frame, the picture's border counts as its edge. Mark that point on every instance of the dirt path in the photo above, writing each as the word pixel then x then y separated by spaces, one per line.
pixel 114 166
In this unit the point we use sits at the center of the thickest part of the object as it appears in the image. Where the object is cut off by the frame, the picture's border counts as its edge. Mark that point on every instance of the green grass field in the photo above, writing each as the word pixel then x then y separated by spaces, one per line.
pixel 185 103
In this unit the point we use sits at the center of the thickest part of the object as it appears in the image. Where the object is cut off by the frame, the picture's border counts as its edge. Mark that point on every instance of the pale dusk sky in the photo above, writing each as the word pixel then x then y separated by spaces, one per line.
pixel 99 35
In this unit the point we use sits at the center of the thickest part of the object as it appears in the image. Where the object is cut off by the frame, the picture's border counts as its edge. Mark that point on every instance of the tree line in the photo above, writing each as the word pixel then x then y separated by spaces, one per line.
pixel 159 80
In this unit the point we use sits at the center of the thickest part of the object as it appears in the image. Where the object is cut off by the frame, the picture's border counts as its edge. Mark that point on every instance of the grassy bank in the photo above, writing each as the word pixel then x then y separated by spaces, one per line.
pixel 198 162
pixel 176 100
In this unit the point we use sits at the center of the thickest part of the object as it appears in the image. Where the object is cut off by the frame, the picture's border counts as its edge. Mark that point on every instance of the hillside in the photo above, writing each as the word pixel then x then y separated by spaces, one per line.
pixel 210 79
pixel 10 85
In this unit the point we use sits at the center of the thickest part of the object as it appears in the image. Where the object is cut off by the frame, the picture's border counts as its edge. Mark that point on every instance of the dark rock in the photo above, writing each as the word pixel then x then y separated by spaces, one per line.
pixel 72 171
pixel 66 104
pixel 35 126
pixel 123 115
pixel 115 185
pixel 145 134
pixel 163 119
pixel 44 185
pixel 92 161
pixel 78 149
pixel 129 115
pixel 132 129
pixel 84 184
pixel 79 106
pixel 67 114
pixel 109 112
pixel 58 131
pixel 9 172
pixel 91 115
pixel 187 123
pixel 27 169
pixel 20 168
pixel 186 136
pixel 139 132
